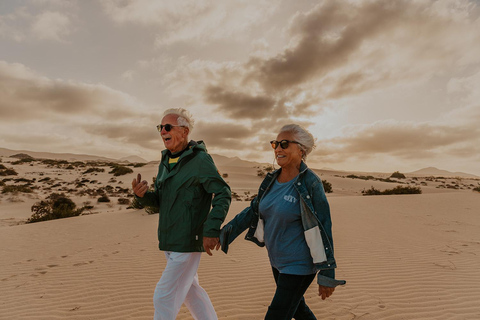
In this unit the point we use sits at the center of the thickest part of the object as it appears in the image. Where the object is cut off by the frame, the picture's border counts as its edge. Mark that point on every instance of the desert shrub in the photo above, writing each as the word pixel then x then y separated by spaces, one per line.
pixel 397 175
pixel 24 160
pixel 123 201
pixel 139 165
pixel 397 190
pixel 137 205
pixel 2 167
pixel 16 189
pixel 352 176
pixel 235 196
pixel 388 180
pixel 70 167
pixel 371 192
pixel 327 186
pixel 262 172
pixel 103 198
pixel 120 170
pixel 91 170
pixel 476 189
pixel 55 206
pixel 2 183
pixel 8 172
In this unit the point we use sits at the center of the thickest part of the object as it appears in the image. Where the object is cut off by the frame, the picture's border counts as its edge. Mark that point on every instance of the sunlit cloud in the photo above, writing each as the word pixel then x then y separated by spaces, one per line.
pixel 39 20
pixel 199 20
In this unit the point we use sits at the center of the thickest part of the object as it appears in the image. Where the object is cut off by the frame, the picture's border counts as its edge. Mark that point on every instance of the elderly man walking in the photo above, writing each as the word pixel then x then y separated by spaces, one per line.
pixel 193 201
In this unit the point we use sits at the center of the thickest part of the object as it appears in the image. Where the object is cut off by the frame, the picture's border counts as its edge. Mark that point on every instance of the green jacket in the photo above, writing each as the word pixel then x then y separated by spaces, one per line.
pixel 184 197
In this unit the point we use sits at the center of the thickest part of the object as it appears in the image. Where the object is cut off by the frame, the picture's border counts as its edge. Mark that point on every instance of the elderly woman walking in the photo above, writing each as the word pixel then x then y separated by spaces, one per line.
pixel 291 217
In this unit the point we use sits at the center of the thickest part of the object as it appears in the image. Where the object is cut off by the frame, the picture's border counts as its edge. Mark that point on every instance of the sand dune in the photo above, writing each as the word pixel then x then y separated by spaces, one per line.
pixel 403 256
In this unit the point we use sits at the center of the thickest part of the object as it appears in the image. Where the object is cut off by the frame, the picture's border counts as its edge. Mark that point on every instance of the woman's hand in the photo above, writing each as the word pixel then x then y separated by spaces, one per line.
pixel 325 292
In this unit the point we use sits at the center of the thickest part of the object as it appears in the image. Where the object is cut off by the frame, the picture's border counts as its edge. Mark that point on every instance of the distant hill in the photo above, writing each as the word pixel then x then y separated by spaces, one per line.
pixel 50 155
pixel 432 171
pixel 234 161
pixel 133 159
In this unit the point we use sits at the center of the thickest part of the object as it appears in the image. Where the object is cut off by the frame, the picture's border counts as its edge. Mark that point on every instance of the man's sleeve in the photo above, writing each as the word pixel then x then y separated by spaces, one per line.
pixel 213 183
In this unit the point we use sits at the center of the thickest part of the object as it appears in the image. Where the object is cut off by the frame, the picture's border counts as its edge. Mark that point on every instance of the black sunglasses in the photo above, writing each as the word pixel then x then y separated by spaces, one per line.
pixel 283 144
pixel 167 127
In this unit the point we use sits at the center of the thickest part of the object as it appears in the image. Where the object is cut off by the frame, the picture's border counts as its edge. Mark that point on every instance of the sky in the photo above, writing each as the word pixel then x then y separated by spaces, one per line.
pixel 382 85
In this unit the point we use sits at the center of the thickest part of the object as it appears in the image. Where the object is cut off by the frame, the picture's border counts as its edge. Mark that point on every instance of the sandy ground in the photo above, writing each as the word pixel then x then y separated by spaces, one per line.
pixel 403 256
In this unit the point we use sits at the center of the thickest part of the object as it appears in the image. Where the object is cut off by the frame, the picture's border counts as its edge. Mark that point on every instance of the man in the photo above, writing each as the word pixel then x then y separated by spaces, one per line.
pixel 187 178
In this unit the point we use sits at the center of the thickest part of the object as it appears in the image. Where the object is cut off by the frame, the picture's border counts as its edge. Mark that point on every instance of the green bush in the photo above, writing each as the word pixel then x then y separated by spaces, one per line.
pixel 123 201
pixel 139 165
pixel 55 206
pixel 91 170
pixel 397 175
pixel 397 190
pixel 24 160
pixel 476 189
pixel 352 176
pixel 327 186
pixel 120 170
pixel 16 189
pixel 137 205
pixel 8 172
pixel 104 198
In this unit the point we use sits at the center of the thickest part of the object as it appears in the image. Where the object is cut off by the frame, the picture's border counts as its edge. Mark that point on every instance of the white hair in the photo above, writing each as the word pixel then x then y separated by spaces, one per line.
pixel 302 136
pixel 184 117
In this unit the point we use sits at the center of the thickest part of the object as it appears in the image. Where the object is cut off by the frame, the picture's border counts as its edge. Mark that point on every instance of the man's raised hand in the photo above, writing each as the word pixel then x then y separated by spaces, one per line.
pixel 139 187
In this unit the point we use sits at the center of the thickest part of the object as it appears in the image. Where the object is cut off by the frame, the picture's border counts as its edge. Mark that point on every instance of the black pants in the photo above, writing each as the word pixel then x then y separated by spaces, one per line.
pixel 288 301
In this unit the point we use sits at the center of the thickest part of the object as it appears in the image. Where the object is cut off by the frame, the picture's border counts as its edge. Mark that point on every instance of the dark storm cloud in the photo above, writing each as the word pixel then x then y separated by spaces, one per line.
pixel 239 105
pixel 339 49
pixel 327 37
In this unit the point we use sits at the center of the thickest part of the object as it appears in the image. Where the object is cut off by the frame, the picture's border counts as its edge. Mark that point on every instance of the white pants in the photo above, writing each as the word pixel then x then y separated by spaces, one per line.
pixel 179 284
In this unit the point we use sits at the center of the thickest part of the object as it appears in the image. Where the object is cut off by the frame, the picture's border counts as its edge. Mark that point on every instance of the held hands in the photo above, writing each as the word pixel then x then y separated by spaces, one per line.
pixel 139 187
pixel 210 244
pixel 325 292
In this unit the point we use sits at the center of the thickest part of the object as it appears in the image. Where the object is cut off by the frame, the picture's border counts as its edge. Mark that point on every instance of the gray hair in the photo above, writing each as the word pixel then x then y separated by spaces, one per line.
pixel 302 136
pixel 184 117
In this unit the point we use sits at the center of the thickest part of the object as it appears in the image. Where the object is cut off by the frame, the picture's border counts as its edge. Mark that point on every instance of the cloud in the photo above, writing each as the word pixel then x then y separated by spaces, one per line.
pixel 40 21
pixel 142 133
pixel 51 26
pixel 405 140
pixel 227 136
pixel 191 20
pixel 343 49
pixel 25 95
pixel 239 105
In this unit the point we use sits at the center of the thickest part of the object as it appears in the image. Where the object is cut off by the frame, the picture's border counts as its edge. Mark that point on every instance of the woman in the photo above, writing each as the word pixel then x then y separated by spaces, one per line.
pixel 291 217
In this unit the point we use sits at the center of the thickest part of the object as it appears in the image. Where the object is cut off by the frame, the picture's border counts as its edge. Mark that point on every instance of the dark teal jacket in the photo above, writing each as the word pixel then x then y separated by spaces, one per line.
pixel 193 200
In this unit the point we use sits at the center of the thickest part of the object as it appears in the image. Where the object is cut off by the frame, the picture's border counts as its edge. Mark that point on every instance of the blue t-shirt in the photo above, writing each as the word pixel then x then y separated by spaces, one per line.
pixel 284 237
